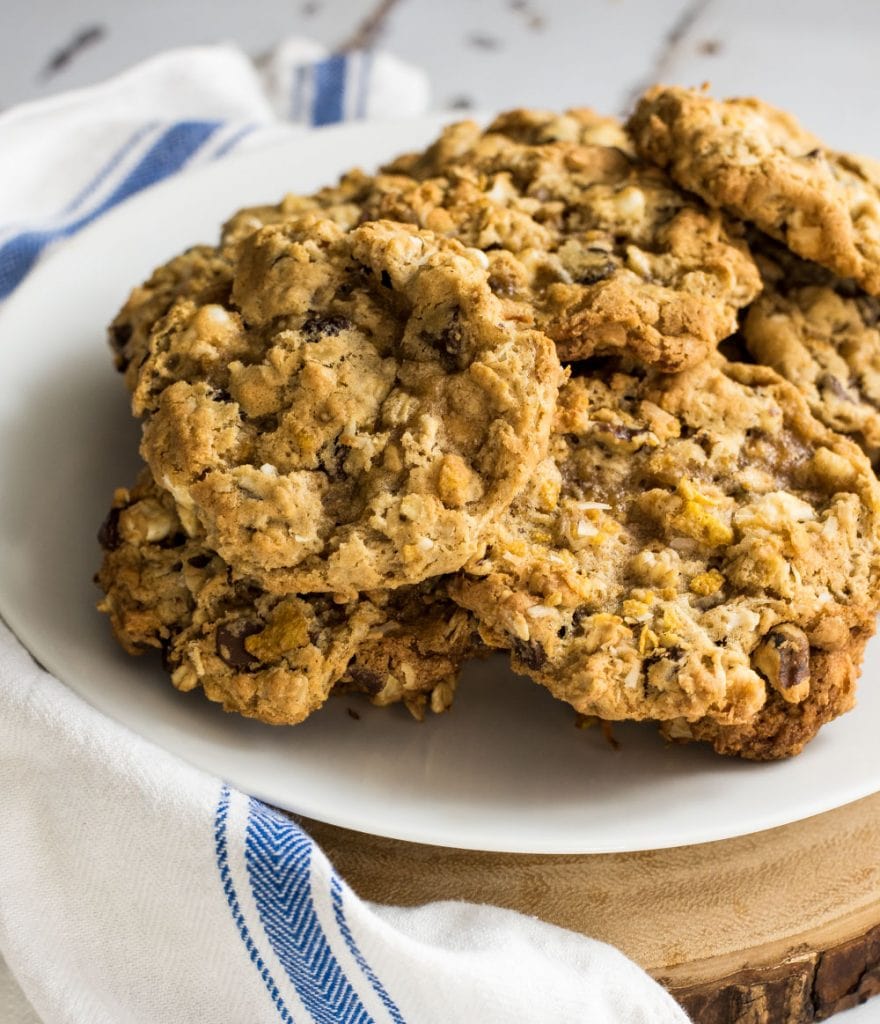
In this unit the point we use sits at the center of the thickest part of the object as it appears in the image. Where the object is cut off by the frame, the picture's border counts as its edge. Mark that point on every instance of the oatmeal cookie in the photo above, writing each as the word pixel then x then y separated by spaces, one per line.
pixel 202 274
pixel 356 417
pixel 606 250
pixel 695 545
pixel 826 342
pixel 359 196
pixel 758 163
pixel 460 141
pixel 269 656
pixel 609 252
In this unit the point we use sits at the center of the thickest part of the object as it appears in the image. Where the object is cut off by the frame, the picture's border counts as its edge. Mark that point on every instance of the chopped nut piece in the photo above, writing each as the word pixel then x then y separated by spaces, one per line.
pixel 783 658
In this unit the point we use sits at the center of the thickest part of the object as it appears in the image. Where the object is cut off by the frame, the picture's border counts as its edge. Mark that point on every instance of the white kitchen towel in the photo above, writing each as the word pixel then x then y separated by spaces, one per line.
pixel 133 887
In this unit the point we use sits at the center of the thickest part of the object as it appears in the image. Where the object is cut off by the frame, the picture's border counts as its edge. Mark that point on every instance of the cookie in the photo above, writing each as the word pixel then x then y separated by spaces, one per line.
pixel 398 192
pixel 606 250
pixel 356 416
pixel 758 163
pixel 695 545
pixel 273 657
pixel 202 274
pixel 611 254
pixel 458 142
pixel 343 203
pixel 827 343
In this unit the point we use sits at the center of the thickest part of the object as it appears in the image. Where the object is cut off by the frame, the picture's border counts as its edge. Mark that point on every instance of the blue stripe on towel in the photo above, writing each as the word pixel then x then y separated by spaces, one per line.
pixel 222 853
pixel 278 856
pixel 233 141
pixel 329 77
pixel 109 167
pixel 336 894
pixel 59 219
pixel 165 157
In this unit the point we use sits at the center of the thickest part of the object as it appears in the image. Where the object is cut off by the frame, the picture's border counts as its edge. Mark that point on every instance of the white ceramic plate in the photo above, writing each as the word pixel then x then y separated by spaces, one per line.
pixel 504 770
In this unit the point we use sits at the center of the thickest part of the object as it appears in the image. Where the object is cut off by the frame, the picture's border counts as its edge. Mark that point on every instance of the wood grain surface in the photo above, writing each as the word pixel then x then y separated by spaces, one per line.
pixel 780 927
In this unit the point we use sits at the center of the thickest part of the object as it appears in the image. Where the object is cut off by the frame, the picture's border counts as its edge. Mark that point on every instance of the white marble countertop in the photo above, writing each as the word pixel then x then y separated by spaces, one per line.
pixel 815 58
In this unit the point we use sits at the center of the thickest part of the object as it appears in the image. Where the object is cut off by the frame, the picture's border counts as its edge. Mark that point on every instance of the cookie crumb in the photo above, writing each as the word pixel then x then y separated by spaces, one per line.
pixel 608 733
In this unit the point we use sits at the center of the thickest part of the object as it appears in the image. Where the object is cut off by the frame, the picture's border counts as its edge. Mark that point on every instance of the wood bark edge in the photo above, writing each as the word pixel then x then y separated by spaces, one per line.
pixel 810 986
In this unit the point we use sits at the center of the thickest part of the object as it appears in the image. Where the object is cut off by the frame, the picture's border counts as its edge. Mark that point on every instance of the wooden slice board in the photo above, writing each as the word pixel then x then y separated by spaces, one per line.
pixel 780 927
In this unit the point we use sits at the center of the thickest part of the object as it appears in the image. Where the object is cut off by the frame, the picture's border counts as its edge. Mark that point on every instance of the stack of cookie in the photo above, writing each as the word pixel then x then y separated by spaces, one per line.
pixel 604 398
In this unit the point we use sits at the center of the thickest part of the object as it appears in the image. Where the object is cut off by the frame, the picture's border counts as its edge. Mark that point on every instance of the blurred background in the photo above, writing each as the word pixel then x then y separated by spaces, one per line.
pixel 811 56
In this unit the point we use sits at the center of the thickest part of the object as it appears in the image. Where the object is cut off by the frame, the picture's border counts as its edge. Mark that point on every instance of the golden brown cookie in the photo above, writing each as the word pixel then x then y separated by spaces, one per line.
pixel 823 334
pixel 356 416
pixel 579 126
pixel 608 253
pixel 758 163
pixel 694 545
pixel 268 656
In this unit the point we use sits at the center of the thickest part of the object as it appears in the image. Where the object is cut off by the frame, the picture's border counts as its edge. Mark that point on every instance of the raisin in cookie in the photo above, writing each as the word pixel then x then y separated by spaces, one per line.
pixel 696 544
pixel 758 163
pixel 269 656
pixel 357 415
